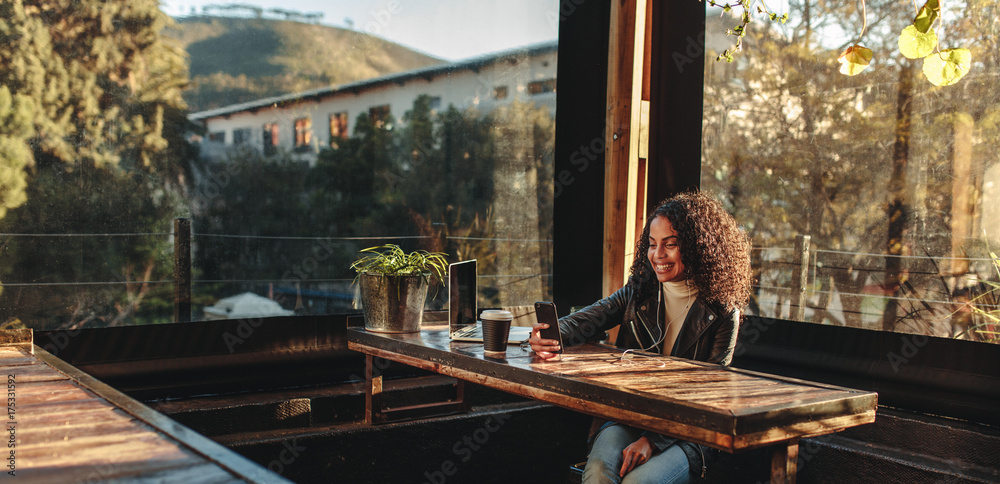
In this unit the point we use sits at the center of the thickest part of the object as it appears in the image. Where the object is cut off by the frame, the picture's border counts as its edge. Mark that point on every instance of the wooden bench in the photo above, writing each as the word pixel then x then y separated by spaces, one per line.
pixel 66 426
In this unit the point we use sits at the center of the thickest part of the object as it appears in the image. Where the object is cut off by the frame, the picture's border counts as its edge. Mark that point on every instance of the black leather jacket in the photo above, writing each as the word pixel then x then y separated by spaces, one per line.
pixel 708 334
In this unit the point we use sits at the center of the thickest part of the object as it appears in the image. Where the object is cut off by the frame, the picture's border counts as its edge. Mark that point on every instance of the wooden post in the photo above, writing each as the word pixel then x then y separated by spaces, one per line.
pixel 784 462
pixel 373 391
pixel 626 58
pixel 800 278
pixel 963 198
pixel 182 270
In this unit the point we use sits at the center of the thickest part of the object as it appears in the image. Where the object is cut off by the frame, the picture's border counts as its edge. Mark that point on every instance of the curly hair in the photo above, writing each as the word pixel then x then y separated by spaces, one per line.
pixel 714 249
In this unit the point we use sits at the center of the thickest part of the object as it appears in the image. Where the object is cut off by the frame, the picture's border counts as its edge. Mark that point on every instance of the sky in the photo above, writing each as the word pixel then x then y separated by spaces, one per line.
pixel 449 29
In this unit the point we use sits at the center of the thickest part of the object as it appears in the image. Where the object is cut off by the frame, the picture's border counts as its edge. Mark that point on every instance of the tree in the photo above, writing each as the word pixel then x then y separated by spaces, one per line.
pixel 24 51
pixel 94 94
pixel 15 154
pixel 799 149
pixel 259 206
pixel 432 177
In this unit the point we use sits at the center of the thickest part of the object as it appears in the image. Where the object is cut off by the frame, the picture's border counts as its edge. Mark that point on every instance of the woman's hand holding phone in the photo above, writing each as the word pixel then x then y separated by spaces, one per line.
pixel 544 348
pixel 545 339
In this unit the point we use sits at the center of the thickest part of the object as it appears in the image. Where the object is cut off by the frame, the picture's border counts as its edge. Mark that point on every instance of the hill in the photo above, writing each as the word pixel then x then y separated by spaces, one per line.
pixel 235 60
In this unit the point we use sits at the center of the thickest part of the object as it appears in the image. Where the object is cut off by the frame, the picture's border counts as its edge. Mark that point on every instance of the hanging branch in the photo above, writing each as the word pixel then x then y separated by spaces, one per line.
pixel 741 30
pixel 857 57
pixel 917 41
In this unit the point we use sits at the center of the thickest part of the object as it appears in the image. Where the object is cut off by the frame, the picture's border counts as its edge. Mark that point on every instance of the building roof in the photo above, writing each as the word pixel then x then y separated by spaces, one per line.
pixel 472 64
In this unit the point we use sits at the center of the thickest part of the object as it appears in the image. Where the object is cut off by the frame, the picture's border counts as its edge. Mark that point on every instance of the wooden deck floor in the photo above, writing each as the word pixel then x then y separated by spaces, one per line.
pixel 67 427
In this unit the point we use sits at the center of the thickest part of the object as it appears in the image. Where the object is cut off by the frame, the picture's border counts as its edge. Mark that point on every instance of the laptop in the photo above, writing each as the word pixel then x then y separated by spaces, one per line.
pixel 463 323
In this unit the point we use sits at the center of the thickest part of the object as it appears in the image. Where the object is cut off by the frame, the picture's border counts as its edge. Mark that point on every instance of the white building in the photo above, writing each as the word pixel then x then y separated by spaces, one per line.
pixel 302 124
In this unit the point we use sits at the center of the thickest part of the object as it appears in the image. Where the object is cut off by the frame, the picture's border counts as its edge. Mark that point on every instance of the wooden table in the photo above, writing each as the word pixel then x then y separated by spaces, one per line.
pixel 725 408
pixel 66 426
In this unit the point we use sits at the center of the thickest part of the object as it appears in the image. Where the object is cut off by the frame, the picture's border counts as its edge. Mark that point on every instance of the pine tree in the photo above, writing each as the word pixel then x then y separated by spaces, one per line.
pixel 91 129
pixel 21 81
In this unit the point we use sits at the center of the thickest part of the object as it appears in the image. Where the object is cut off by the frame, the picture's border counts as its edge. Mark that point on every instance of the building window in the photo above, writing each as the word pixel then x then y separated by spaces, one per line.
pixel 338 128
pixel 379 116
pixel 303 133
pixel 217 137
pixel 542 87
pixel 241 136
pixel 500 92
pixel 435 102
pixel 270 138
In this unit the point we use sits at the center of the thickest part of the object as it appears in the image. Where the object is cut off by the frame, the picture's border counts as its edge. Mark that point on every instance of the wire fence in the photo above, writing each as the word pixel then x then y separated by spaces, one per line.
pixel 937 295
pixel 382 238
pixel 307 274
pixel 827 286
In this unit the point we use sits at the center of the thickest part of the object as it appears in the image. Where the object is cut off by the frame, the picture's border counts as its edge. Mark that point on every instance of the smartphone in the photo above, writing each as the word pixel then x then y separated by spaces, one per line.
pixel 545 312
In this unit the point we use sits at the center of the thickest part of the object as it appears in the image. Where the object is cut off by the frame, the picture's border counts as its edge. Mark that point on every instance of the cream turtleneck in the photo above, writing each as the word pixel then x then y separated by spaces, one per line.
pixel 678 298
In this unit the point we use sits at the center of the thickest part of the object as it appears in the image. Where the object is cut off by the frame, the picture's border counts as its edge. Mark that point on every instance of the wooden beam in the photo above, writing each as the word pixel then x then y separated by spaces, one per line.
pixel 622 167
pixel 676 75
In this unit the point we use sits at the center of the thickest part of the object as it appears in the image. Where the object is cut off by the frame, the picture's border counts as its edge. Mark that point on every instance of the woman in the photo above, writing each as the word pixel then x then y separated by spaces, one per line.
pixel 690 278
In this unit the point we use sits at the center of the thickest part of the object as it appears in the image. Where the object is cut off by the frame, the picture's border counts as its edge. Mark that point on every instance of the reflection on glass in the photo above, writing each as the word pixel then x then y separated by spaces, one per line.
pixel 447 152
pixel 891 177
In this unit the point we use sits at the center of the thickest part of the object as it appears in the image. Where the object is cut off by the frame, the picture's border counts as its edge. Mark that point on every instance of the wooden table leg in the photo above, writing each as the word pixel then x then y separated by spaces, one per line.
pixel 461 403
pixel 784 462
pixel 373 391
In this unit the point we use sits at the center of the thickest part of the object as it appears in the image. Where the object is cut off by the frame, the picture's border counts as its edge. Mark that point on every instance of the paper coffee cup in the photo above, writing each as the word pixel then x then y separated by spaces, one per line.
pixel 496 329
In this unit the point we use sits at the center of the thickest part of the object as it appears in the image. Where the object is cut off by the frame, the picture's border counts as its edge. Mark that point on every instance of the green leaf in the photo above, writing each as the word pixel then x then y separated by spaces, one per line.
pixel 948 66
pixel 855 59
pixel 915 44
pixel 926 16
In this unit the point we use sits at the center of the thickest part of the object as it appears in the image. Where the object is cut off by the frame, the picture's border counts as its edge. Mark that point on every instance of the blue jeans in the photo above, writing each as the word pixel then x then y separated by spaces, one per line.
pixel 605 460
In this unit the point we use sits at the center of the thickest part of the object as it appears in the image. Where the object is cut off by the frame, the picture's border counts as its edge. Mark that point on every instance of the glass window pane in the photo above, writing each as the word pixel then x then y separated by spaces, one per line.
pixel 892 178
pixel 423 149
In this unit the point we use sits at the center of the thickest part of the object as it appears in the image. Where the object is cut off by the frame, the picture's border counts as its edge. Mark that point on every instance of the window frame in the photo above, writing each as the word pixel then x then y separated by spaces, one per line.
pixel 541 86
pixel 270 138
pixel 277 347
pixel 338 128
pixel 242 136
pixel 302 130
pixel 380 116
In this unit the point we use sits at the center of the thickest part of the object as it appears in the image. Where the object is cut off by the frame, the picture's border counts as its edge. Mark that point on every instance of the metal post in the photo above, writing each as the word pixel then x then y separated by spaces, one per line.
pixel 182 270
pixel 800 278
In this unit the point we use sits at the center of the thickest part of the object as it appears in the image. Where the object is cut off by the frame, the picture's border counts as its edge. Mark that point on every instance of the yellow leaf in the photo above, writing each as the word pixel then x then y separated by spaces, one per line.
pixel 948 66
pixel 854 60
pixel 915 44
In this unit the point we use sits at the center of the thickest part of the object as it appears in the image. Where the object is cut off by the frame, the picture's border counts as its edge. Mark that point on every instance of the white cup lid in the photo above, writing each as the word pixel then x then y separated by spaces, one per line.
pixel 496 314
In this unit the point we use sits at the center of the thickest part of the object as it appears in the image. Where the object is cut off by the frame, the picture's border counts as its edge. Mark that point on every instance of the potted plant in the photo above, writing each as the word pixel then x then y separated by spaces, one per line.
pixel 394 286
